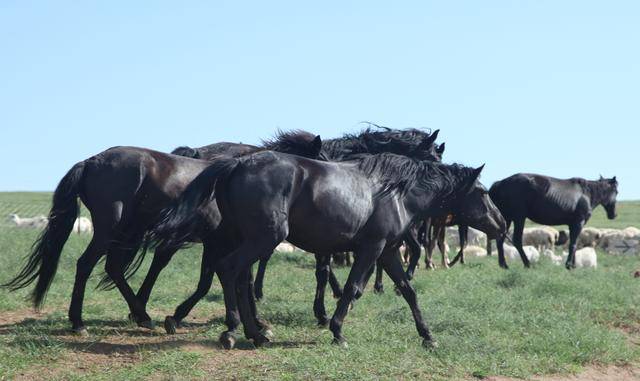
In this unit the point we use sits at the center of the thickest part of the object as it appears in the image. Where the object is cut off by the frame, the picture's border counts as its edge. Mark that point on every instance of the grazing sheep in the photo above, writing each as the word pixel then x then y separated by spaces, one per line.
pixel 475 251
pixel 531 252
pixel 589 237
pixel 555 259
pixel 82 225
pixel 609 239
pixel 631 232
pixel 542 237
pixel 585 258
pixel 476 237
pixel 38 222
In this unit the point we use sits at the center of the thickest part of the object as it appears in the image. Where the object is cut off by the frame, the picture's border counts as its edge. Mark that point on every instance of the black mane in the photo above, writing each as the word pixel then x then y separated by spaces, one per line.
pixel 288 141
pixel 187 151
pixel 400 173
pixel 409 142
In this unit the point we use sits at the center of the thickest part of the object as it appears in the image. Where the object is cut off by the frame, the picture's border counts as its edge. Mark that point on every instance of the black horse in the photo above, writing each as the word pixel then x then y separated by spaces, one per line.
pixel 124 189
pixel 550 201
pixel 412 142
pixel 364 206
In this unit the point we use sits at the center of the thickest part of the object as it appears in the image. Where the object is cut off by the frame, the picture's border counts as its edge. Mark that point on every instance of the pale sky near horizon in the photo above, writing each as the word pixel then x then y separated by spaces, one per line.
pixel 540 86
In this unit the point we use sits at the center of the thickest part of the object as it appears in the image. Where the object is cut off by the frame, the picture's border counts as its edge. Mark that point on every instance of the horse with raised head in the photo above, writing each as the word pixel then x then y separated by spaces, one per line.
pixel 365 206
pixel 550 201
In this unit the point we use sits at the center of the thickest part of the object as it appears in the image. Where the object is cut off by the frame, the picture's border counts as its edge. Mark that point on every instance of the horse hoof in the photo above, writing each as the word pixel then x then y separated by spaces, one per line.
pixel 337 295
pixel 227 340
pixel 430 344
pixel 323 322
pixel 81 331
pixel 170 325
pixel 260 341
pixel 147 324
pixel 504 266
pixel 378 289
pixel 342 343
pixel 132 318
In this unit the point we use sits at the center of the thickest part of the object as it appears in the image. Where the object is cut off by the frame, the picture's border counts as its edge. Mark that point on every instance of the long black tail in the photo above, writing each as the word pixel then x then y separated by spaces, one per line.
pixel 177 223
pixel 42 263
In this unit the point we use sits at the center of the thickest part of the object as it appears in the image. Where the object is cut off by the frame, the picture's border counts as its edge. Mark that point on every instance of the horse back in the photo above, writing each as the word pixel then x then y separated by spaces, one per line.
pixel 543 199
pixel 141 180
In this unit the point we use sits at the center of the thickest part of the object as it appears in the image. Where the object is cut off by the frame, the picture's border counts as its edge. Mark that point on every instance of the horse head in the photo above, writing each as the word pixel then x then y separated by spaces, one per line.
pixel 609 193
pixel 473 207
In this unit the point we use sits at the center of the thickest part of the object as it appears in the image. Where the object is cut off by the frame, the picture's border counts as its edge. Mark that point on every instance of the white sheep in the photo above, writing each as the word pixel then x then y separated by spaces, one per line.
pixel 589 237
pixel 555 259
pixel 38 222
pixel 82 225
pixel 542 237
pixel 631 233
pixel 531 252
pixel 585 258
pixel 476 237
pixel 609 239
pixel 475 251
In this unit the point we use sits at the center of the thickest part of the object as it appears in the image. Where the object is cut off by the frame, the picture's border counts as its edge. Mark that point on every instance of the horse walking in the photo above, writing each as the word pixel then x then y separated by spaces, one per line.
pixel 364 206
pixel 550 201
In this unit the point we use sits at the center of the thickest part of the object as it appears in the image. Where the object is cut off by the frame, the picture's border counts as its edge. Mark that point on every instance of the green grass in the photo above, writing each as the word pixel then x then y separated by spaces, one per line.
pixel 488 322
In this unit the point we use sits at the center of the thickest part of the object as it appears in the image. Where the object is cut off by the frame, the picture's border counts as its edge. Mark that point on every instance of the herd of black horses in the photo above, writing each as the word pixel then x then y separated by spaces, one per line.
pixel 364 193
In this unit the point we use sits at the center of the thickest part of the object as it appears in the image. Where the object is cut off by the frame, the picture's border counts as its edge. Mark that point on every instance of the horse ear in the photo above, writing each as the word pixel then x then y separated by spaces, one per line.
pixel 440 149
pixel 316 144
pixel 601 177
pixel 614 181
pixel 428 141
pixel 473 177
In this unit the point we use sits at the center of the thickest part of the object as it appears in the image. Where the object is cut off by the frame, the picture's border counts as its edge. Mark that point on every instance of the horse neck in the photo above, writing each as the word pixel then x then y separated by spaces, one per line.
pixel 427 202
pixel 596 193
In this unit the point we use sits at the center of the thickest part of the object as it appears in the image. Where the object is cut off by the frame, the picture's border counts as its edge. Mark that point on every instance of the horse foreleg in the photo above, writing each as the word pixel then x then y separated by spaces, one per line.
pixel 574 233
pixel 393 267
pixel 259 282
pixel 518 230
pixel 364 260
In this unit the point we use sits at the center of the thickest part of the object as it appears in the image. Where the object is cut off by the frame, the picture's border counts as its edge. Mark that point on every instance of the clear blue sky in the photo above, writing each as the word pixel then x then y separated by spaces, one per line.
pixel 538 86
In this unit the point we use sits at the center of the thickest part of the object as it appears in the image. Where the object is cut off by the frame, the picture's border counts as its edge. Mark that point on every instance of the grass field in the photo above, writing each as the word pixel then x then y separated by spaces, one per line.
pixel 489 322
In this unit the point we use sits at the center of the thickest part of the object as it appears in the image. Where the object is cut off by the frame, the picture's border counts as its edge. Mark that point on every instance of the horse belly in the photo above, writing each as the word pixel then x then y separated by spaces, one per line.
pixel 329 220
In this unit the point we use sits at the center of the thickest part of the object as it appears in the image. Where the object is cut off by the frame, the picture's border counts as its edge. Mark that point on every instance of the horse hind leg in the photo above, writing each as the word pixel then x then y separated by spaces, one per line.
pixel 322 270
pixel 115 269
pixel 84 266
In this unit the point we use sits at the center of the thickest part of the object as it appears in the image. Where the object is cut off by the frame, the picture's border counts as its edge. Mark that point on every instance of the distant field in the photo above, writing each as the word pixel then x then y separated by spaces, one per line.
pixel 29 204
pixel 516 323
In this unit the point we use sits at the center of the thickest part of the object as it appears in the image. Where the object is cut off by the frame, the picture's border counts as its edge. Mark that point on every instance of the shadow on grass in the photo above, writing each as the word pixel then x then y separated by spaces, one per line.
pixel 31 333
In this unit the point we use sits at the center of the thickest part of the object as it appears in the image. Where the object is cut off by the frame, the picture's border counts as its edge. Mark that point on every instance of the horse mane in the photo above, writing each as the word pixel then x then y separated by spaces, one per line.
pixel 374 140
pixel 598 189
pixel 288 141
pixel 186 151
pixel 399 173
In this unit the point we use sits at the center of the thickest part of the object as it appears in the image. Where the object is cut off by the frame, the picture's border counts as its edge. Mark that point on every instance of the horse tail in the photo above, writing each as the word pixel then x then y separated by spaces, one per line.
pixel 42 263
pixel 178 222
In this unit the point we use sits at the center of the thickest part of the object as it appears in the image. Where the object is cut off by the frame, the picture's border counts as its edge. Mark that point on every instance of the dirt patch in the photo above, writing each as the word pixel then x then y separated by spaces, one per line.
pixel 612 373
pixel 114 345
